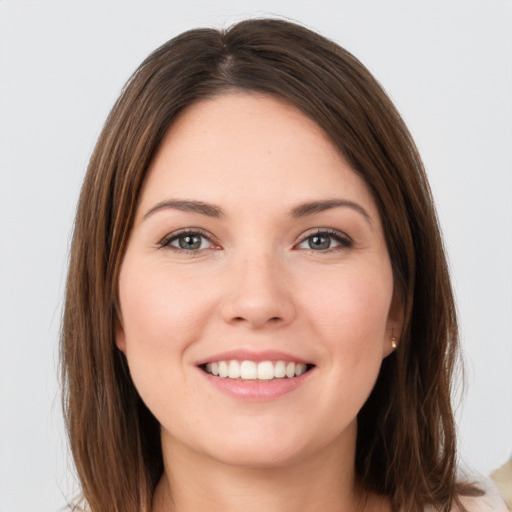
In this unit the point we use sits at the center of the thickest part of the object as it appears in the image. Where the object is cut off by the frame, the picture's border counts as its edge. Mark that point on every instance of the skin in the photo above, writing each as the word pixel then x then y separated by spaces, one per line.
pixel 256 284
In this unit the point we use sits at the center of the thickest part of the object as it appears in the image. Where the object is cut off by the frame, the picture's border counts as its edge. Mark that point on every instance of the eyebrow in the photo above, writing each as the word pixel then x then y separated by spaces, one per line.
pixel 314 207
pixel 200 207
pixel 303 210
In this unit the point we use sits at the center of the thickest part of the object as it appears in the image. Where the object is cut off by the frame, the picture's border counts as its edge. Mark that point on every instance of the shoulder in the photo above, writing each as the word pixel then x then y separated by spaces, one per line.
pixel 490 501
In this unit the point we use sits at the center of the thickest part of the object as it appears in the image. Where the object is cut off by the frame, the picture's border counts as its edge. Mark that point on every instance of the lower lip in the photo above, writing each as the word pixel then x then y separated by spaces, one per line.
pixel 256 390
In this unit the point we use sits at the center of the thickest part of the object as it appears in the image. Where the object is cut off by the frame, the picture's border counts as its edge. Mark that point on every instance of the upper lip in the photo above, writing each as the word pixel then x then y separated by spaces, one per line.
pixel 252 355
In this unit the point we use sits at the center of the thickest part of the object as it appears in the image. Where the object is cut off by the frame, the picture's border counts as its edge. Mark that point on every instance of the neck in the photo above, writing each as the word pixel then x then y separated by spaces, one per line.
pixel 322 481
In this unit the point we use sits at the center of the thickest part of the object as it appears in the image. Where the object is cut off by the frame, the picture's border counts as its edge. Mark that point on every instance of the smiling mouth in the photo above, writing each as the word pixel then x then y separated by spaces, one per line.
pixel 251 370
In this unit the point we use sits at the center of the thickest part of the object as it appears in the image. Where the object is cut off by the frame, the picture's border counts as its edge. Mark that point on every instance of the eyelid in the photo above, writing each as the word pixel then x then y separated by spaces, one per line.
pixel 344 241
pixel 167 239
pixel 342 238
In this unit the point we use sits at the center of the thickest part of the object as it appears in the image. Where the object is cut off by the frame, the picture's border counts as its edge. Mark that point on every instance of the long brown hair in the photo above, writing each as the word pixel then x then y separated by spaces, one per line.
pixel 406 446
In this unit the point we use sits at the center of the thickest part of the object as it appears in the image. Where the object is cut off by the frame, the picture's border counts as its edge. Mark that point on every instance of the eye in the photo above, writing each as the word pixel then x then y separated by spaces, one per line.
pixel 323 240
pixel 189 241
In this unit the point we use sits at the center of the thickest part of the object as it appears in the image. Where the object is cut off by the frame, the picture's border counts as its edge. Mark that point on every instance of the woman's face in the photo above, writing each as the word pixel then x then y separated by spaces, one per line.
pixel 256 253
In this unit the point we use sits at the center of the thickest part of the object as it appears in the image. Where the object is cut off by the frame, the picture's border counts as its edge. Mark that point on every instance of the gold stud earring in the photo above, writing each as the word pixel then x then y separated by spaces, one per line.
pixel 394 344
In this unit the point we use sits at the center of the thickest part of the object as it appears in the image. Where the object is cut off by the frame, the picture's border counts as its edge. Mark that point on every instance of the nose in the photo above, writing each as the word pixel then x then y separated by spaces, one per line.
pixel 258 295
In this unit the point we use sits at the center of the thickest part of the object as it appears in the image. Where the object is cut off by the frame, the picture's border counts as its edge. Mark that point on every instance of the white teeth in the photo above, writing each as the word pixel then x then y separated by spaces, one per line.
pixel 290 370
pixel 234 370
pixel 250 370
pixel 299 369
pixel 279 369
pixel 223 369
pixel 265 370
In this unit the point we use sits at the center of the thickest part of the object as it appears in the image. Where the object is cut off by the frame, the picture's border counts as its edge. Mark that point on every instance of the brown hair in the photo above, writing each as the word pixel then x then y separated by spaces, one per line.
pixel 406 435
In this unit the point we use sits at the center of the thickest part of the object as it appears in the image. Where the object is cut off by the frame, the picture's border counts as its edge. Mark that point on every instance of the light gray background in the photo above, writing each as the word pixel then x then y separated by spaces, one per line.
pixel 446 64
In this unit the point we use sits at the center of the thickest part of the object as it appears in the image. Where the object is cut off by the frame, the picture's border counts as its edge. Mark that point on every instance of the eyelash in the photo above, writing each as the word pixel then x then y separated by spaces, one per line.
pixel 343 240
pixel 166 241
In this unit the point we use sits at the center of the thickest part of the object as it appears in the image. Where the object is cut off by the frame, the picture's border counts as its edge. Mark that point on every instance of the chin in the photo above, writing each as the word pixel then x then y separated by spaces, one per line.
pixel 270 446
pixel 259 455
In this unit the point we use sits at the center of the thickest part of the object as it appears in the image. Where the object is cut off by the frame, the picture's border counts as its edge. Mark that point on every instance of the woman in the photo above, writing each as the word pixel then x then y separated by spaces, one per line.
pixel 258 312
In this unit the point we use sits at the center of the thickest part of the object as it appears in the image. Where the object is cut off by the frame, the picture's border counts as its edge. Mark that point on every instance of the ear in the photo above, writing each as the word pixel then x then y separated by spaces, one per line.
pixel 394 325
pixel 120 335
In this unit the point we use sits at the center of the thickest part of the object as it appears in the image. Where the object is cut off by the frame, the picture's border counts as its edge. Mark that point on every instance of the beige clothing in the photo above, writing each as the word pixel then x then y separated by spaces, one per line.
pixel 492 501
pixel 502 478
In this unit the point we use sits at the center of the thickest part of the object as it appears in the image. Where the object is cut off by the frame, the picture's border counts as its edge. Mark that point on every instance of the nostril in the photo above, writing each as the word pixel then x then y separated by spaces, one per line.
pixel 273 319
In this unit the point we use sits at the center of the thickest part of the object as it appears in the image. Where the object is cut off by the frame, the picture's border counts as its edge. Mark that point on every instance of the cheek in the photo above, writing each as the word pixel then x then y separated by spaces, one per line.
pixel 162 317
pixel 159 310
pixel 353 305
pixel 351 319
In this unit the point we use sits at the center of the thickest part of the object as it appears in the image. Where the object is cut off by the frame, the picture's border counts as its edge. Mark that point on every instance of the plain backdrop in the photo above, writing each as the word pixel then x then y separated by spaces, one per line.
pixel 447 65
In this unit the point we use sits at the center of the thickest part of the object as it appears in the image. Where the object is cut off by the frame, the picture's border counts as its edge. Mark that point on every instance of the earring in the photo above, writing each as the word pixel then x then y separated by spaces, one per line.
pixel 394 344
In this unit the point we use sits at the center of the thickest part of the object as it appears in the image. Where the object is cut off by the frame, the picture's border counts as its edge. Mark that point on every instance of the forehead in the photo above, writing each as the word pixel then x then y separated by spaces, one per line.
pixel 249 146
